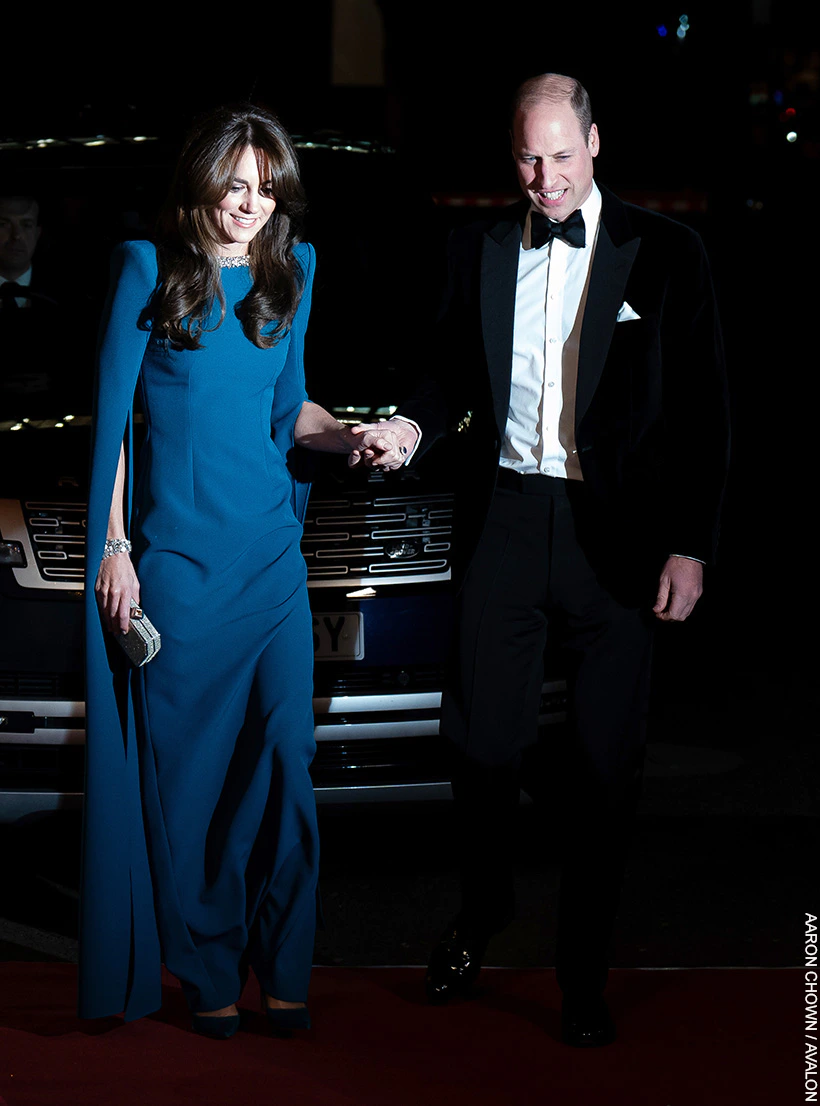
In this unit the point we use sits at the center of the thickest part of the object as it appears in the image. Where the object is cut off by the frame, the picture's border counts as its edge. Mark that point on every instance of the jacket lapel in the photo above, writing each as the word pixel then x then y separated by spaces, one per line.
pixel 615 252
pixel 499 273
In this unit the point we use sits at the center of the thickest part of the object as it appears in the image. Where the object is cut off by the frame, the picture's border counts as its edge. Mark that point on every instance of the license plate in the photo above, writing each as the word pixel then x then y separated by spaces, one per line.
pixel 338 636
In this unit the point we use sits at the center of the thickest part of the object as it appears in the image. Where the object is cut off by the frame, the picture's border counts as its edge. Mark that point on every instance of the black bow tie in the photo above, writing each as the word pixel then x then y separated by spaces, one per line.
pixel 9 291
pixel 543 230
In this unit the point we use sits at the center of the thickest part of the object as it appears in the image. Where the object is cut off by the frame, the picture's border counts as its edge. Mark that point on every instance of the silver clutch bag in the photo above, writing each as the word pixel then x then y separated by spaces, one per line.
pixel 142 642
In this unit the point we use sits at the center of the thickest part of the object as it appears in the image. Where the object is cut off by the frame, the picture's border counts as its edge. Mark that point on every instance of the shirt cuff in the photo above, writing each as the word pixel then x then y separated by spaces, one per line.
pixel 416 427
pixel 686 557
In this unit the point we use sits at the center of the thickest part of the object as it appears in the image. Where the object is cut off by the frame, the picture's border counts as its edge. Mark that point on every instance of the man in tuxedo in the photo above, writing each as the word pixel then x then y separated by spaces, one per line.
pixel 47 322
pixel 29 314
pixel 19 234
pixel 580 348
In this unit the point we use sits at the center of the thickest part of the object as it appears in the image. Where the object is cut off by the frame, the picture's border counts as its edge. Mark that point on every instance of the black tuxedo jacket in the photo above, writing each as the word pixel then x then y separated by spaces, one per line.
pixel 651 417
pixel 47 347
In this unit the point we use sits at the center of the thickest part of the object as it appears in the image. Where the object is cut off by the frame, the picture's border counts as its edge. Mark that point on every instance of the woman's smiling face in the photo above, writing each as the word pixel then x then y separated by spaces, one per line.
pixel 248 205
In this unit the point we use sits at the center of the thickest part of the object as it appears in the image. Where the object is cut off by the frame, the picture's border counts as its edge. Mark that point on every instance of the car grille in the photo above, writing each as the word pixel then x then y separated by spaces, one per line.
pixel 355 540
pixel 375 762
pixel 358 680
pixel 363 537
pixel 41 685
pixel 57 535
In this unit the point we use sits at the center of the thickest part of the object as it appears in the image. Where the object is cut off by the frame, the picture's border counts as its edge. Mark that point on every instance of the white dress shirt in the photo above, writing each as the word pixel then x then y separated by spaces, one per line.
pixel 550 297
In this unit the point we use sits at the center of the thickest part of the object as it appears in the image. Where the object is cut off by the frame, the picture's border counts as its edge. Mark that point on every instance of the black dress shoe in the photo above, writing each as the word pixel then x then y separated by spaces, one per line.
pixel 586 1024
pixel 454 965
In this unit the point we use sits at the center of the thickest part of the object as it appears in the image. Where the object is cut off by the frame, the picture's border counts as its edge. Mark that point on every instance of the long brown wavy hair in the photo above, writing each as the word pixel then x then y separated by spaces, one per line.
pixel 188 240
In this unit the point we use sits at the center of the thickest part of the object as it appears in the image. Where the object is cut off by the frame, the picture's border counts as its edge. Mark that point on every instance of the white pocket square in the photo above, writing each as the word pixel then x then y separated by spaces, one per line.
pixel 626 314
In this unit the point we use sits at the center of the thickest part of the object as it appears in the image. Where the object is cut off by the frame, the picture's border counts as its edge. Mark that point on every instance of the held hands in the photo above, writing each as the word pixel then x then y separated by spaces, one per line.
pixel 383 445
pixel 680 587
pixel 116 585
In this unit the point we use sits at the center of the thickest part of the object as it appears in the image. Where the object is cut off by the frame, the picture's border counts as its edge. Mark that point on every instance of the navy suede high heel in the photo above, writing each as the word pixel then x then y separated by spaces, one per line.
pixel 217 1028
pixel 282 1020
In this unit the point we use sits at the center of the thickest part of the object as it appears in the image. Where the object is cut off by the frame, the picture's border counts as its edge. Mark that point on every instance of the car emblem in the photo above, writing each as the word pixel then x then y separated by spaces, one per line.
pixel 402 551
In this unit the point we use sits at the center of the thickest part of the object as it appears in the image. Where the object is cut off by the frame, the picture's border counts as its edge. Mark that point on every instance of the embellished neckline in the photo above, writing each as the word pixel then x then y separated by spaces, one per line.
pixel 234 261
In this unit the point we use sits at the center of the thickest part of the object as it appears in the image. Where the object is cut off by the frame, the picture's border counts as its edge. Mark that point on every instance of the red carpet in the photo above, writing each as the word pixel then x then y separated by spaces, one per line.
pixel 706 1037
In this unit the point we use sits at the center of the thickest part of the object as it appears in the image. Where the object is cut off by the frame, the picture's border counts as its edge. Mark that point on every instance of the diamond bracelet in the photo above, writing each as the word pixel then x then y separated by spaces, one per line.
pixel 116 545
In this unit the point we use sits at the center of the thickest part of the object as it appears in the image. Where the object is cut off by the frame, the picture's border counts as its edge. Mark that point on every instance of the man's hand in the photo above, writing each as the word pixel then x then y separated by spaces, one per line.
pixel 385 445
pixel 680 587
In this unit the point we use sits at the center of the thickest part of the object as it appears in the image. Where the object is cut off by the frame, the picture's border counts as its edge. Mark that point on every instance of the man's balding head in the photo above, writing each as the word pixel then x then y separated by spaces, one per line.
pixel 555 88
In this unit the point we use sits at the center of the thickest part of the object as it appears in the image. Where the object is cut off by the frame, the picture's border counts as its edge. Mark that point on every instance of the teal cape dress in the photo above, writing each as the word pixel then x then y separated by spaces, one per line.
pixel 200 847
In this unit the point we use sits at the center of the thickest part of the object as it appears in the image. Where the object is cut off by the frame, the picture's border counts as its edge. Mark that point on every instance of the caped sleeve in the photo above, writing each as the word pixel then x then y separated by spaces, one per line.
pixel 119 948
pixel 289 393
pixel 121 349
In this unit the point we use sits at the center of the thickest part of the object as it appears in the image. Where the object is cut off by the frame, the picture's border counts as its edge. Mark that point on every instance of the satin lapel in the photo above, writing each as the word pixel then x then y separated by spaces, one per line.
pixel 610 270
pixel 499 271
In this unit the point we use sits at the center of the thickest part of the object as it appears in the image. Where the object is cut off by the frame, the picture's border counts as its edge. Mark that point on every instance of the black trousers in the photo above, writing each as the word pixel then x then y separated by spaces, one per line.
pixel 530 578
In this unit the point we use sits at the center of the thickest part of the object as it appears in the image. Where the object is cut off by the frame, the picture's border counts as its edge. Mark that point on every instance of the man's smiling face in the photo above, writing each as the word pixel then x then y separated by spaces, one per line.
pixel 553 158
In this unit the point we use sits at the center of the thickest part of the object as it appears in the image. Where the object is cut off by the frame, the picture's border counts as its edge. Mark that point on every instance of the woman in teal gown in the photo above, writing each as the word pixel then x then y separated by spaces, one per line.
pixel 200 841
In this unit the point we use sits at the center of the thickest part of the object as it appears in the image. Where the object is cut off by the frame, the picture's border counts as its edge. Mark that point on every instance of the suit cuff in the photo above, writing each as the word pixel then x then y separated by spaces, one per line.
pixel 416 427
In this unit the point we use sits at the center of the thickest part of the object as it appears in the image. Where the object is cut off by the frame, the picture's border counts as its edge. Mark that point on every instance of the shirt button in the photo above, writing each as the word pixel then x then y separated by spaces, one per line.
pixel 551 384
pixel 553 341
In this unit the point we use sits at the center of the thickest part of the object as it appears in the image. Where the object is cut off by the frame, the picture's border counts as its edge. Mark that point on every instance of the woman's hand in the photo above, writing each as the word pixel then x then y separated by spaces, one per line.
pixel 384 445
pixel 116 586
pixel 376 446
